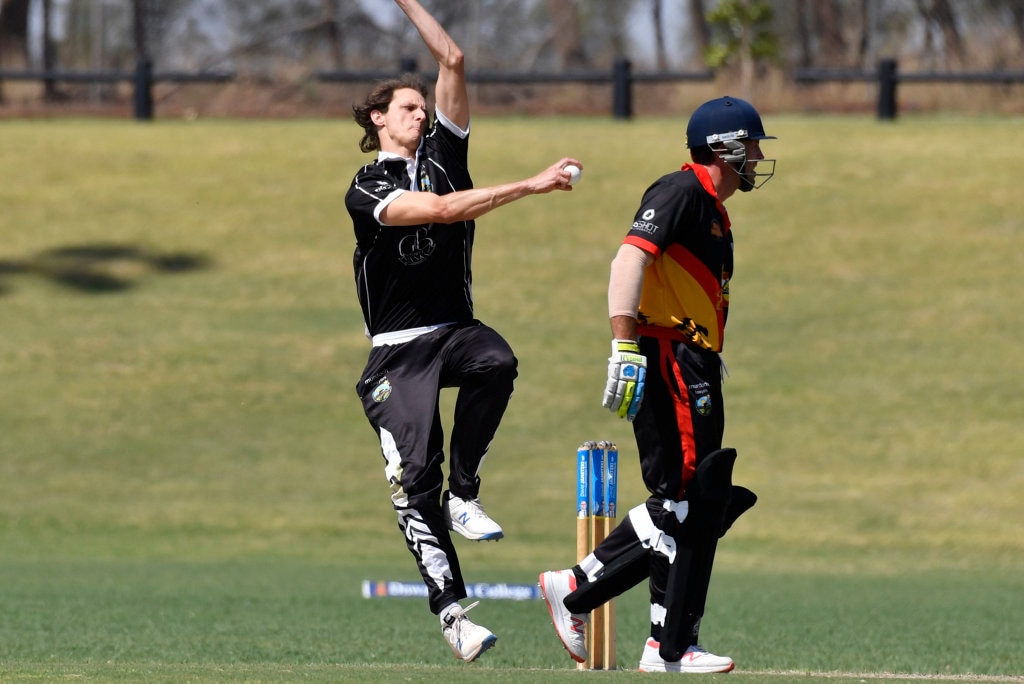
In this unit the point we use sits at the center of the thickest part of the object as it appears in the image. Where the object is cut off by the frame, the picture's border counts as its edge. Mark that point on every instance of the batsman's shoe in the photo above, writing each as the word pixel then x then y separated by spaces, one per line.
pixel 570 627
pixel 467 517
pixel 695 660
pixel 467 639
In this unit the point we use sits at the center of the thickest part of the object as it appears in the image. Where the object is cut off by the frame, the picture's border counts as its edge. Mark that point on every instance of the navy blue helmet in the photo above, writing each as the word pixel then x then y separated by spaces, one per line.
pixel 727 118
pixel 722 125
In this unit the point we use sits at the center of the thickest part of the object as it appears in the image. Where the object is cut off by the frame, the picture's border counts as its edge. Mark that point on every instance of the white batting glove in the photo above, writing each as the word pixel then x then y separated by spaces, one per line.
pixel 627 369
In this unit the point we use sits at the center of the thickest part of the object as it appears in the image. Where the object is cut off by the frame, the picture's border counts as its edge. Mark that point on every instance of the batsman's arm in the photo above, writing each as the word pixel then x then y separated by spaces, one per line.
pixel 415 208
pixel 624 286
pixel 450 91
pixel 623 392
pixel 623 327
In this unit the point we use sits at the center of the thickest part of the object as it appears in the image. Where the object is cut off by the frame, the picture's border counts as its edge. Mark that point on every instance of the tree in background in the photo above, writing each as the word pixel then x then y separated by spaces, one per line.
pixel 701 32
pixel 937 14
pixel 14 40
pixel 14 33
pixel 284 42
pixel 567 30
pixel 742 37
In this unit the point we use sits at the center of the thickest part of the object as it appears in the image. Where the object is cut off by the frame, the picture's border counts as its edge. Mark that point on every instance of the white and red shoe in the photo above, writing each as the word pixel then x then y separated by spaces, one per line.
pixel 695 660
pixel 570 627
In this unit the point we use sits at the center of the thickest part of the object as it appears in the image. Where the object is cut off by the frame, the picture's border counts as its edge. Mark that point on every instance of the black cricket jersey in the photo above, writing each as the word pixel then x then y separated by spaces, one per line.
pixel 686 289
pixel 410 277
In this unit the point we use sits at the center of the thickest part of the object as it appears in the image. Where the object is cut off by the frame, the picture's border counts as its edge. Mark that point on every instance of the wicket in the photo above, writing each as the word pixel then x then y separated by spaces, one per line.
pixel 597 466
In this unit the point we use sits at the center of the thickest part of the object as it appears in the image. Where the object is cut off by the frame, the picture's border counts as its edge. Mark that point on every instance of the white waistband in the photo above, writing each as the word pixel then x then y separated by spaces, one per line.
pixel 400 336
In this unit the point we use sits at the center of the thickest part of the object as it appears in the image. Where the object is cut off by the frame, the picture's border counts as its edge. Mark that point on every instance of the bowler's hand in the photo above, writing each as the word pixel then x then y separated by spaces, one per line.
pixel 555 177
pixel 627 371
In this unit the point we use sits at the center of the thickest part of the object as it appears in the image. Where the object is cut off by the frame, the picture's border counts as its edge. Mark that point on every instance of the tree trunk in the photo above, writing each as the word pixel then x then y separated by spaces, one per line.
pixel 942 14
pixel 568 33
pixel 1017 10
pixel 14 33
pixel 803 35
pixel 331 28
pixel 49 62
pixel 748 67
pixel 699 28
pixel 867 25
pixel 828 18
pixel 661 56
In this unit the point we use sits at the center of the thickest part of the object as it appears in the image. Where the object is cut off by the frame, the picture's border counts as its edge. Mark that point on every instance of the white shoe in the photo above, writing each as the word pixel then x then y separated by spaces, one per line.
pixel 467 517
pixel 570 627
pixel 695 660
pixel 467 639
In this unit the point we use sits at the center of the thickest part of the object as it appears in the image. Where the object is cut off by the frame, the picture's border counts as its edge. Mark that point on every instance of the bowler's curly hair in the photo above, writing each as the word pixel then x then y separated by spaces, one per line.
pixel 379 99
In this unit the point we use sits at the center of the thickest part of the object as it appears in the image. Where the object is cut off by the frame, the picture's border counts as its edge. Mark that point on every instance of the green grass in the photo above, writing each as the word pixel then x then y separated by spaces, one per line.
pixel 189 490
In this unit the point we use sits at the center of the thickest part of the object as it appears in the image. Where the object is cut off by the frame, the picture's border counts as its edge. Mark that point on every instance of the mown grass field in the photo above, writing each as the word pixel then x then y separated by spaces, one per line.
pixel 189 490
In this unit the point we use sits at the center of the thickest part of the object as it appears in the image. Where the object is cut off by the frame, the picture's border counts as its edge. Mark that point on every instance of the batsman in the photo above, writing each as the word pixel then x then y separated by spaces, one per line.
pixel 668 300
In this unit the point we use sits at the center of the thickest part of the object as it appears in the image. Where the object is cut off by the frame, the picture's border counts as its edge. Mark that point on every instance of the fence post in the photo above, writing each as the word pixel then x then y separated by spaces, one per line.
pixel 887 81
pixel 622 89
pixel 143 95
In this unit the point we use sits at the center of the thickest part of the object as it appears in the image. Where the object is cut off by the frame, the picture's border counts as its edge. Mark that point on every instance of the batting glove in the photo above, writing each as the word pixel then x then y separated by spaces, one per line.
pixel 627 369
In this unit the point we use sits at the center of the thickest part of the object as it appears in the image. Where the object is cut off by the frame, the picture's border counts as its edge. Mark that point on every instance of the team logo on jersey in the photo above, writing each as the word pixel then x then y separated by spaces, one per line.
pixel 704 406
pixel 381 391
pixel 416 248
pixel 703 402
pixel 716 229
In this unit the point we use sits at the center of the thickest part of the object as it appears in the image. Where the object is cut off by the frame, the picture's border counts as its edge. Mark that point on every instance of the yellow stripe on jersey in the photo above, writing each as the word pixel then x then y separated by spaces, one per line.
pixel 680 293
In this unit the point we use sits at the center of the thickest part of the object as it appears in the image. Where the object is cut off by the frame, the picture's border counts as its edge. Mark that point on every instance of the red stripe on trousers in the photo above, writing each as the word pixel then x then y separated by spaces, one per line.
pixel 681 407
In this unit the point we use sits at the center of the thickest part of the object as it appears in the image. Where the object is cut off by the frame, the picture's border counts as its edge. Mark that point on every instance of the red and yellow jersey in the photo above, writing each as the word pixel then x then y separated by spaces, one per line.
pixel 686 289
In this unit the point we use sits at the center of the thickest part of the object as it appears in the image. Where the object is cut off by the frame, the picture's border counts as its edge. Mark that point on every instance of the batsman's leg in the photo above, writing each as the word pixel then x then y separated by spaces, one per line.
pixel 622 560
pixel 697 538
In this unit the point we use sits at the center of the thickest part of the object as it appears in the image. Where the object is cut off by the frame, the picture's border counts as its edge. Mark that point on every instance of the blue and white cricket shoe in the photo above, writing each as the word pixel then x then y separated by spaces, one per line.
pixel 467 517
pixel 467 639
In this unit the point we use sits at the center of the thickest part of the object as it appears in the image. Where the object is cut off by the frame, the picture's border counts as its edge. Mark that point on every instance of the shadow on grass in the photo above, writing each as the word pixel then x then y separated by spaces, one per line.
pixel 99 268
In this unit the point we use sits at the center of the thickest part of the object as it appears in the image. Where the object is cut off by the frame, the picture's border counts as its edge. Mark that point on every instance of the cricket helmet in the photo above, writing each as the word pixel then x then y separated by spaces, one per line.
pixel 722 125
pixel 727 118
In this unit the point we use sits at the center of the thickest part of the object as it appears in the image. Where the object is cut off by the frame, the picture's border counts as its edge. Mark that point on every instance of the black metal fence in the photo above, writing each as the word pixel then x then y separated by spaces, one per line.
pixel 142 79
pixel 888 77
pixel 621 79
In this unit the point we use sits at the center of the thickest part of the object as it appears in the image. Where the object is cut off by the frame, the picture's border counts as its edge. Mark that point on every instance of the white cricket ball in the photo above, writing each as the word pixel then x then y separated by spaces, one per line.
pixel 574 173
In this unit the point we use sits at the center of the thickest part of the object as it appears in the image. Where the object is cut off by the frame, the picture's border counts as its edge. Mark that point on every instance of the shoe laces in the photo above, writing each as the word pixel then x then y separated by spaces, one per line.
pixel 475 509
pixel 458 614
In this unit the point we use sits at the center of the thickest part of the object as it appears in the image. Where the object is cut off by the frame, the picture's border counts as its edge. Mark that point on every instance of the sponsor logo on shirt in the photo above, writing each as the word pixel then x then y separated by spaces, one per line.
pixel 416 248
pixel 382 391
pixel 644 224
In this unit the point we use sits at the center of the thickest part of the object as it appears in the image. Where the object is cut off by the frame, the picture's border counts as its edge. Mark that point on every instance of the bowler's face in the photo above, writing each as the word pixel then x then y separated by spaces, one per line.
pixel 406 118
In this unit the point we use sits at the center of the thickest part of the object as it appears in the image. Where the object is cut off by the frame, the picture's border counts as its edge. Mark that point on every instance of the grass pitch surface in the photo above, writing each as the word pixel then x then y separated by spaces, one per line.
pixel 189 490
